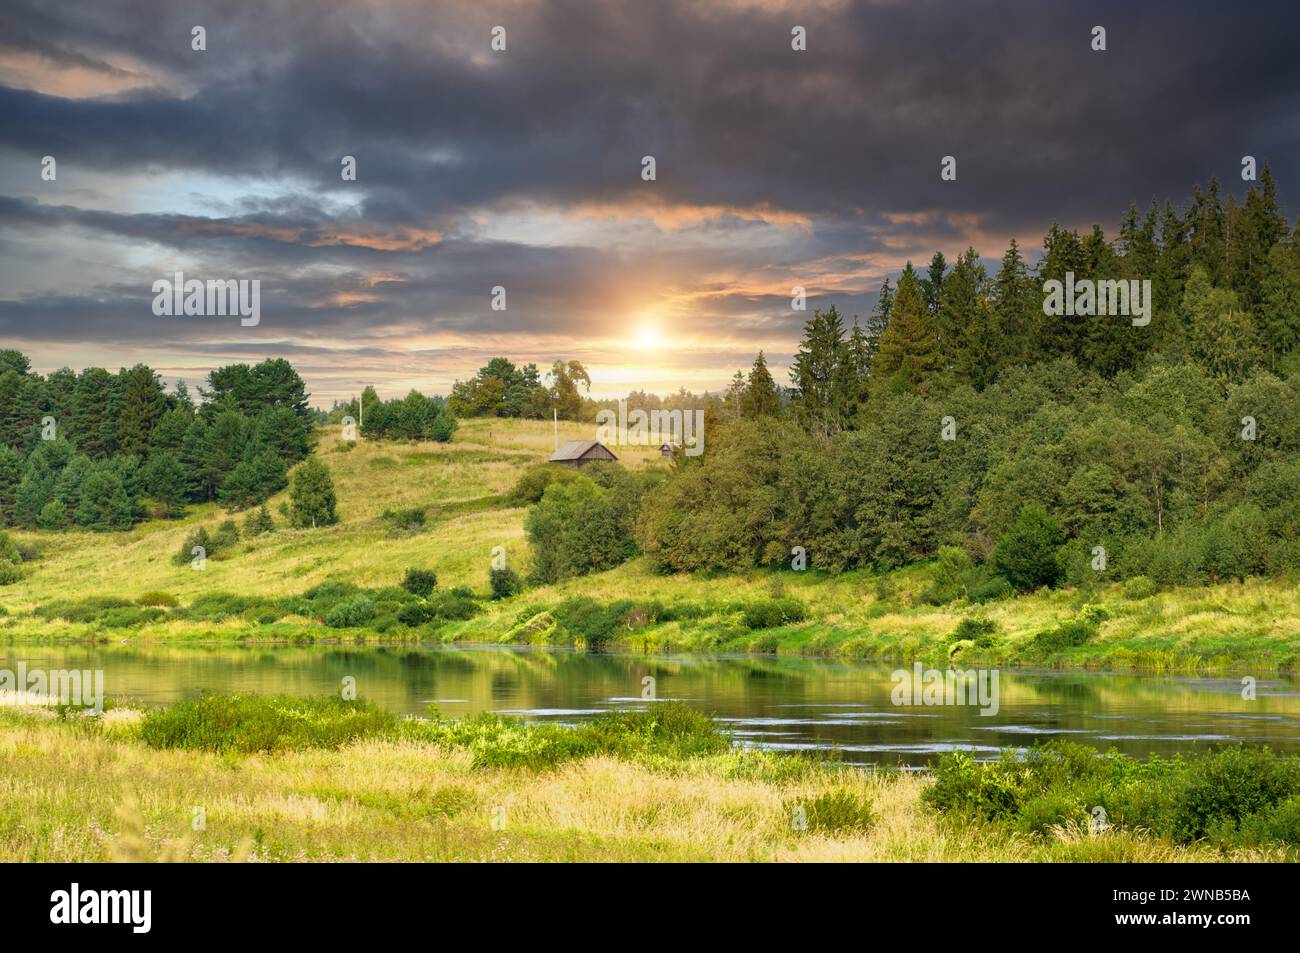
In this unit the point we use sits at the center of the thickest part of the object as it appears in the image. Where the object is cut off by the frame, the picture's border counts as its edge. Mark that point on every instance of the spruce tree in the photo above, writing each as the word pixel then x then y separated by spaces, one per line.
pixel 759 398
pixel 909 347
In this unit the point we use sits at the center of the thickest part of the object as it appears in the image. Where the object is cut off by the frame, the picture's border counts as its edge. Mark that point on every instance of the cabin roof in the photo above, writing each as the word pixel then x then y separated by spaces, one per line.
pixel 577 449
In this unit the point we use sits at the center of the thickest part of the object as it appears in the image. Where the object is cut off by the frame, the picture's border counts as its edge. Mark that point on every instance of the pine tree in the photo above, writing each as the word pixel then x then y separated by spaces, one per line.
pixel 759 398
pixel 963 292
pixel 1279 314
pixel 814 372
pixel 94 405
pixel 1017 310
pixel 932 284
pixel 1207 226
pixel 909 347
pixel 143 405
pixel 165 482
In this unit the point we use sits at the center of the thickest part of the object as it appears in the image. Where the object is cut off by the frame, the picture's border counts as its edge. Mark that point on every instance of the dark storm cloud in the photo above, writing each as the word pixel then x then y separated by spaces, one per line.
pixel 846 138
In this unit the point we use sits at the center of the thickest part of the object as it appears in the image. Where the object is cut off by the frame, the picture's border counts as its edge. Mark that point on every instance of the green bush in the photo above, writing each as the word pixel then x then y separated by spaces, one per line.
pixel 409 520
pixel 505 582
pixel 983 632
pixel 590 622
pixel 246 724
pixel 54 515
pixel 1236 796
pixel 1068 634
pixel 82 610
pixel 769 613
pixel 350 613
pixel 840 811
pixel 130 617
pixel 667 729
pixel 1228 786
pixel 156 598
pixel 532 484
pixel 420 582
pixel 1140 587
pixel 1026 554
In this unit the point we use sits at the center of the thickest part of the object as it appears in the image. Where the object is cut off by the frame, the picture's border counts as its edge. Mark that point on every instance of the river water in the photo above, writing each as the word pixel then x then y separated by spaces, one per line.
pixel 780 703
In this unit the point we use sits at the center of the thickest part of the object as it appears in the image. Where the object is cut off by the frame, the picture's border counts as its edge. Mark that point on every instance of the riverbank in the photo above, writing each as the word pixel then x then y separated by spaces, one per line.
pixel 1250 627
pixel 186 785
pixel 284 586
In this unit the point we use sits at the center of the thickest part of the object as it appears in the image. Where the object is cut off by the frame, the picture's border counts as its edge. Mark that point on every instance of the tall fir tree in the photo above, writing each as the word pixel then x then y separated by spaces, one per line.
pixel 759 398
pixel 909 347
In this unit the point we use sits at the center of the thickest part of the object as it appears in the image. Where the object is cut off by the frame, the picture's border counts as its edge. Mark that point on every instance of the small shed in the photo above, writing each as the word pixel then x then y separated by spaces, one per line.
pixel 575 453
pixel 667 449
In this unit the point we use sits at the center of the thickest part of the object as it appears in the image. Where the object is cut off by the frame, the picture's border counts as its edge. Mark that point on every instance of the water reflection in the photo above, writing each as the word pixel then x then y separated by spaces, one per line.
pixel 779 703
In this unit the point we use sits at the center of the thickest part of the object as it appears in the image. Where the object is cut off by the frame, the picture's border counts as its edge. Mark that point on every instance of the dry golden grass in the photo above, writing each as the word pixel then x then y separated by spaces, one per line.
pixel 92 793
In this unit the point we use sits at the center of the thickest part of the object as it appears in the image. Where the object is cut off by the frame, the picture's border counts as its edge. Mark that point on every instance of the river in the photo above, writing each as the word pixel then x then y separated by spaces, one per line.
pixel 794 704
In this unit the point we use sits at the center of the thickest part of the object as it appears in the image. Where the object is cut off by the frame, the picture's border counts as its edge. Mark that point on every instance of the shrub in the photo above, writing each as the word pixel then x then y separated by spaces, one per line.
pixel 410 520
pixel 590 622
pixel 53 515
pixel 197 539
pixel 353 612
pixel 226 536
pixel 983 632
pixel 534 481
pixel 258 522
pixel 1139 587
pixel 1223 788
pixel 505 582
pixel 420 582
pixel 1066 635
pixel 130 617
pixel 769 613
pixel 247 724
pixel 453 606
pixel 669 730
pixel 156 598
pixel 416 614
pixel 1026 553
pixel 840 811
pixel 90 609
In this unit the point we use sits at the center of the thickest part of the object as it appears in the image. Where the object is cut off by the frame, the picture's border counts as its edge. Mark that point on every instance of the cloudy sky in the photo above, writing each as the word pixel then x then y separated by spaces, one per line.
pixel 523 168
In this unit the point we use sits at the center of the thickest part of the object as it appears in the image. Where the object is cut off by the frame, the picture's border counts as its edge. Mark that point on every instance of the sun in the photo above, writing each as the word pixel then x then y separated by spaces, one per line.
pixel 648 337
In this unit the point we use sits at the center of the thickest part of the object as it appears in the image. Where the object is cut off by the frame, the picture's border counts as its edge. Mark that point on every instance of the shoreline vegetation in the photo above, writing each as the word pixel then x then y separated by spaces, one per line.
pixel 249 778
pixel 344 582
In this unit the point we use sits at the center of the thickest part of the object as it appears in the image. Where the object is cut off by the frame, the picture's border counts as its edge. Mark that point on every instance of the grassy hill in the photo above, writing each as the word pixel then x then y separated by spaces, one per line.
pixel 463 486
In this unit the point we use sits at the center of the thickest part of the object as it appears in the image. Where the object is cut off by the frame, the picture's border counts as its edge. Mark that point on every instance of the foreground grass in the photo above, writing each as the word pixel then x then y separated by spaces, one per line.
pixel 1252 626
pixel 648 786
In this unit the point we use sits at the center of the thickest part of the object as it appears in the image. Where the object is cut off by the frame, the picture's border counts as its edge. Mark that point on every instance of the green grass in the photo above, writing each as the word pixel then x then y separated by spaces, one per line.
pixel 289 779
pixel 124 585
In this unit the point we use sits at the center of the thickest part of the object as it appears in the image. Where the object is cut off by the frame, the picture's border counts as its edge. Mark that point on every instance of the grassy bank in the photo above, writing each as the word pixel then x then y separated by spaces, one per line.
pixel 281 780
pixel 283 586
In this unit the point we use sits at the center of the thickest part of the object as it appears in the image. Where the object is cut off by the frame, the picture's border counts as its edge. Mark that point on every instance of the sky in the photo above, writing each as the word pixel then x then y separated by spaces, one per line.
pixel 522 168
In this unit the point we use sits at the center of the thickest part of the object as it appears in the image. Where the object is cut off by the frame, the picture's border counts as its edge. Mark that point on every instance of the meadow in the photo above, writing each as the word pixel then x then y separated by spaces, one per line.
pixel 82 585
pixel 258 779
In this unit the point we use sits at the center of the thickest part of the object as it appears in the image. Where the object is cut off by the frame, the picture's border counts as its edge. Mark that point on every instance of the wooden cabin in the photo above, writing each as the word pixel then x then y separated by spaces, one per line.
pixel 575 453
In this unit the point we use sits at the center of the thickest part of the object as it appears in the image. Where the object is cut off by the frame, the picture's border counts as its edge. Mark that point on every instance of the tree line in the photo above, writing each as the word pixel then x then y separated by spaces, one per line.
pixel 91 449
pixel 1024 450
